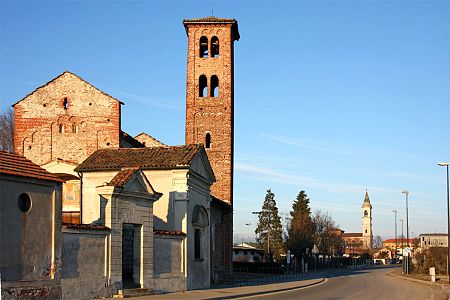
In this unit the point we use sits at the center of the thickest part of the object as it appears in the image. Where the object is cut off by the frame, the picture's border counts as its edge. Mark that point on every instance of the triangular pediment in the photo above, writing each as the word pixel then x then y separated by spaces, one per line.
pixel 201 165
pixel 138 183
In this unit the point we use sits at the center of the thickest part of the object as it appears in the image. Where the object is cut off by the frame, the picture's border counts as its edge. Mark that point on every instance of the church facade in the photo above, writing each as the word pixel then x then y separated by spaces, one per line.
pixel 148 215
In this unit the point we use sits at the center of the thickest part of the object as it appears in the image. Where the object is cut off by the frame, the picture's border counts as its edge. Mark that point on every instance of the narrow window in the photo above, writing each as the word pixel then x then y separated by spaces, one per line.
pixel 365 213
pixel 208 141
pixel 236 252
pixel 204 47
pixel 197 243
pixel 74 128
pixel 214 46
pixel 66 103
pixel 214 86
pixel 61 128
pixel 203 86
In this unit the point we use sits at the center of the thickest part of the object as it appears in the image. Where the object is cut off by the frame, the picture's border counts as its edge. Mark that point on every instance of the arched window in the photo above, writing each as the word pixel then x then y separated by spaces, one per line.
pixel 197 243
pixel 203 86
pixel 61 128
pixel 366 213
pixel 66 103
pixel 204 47
pixel 74 128
pixel 214 46
pixel 208 141
pixel 214 86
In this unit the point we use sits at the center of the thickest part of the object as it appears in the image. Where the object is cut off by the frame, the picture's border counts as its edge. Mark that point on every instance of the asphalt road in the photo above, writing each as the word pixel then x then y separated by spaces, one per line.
pixel 361 285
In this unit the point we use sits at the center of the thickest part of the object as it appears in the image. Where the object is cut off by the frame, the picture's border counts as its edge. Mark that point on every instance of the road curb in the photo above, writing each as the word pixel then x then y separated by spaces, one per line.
pixel 254 294
pixel 444 288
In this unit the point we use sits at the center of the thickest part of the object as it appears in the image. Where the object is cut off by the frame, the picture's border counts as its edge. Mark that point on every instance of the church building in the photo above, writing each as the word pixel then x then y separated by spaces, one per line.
pixel 359 242
pixel 137 213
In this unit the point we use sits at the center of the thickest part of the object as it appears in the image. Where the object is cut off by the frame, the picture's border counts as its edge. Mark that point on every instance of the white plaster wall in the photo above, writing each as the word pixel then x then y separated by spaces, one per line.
pixel 169 211
pixel 90 201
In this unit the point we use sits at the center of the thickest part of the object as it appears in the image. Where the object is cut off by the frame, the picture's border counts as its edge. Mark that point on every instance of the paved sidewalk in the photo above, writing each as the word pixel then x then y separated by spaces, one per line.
pixel 235 292
pixel 397 273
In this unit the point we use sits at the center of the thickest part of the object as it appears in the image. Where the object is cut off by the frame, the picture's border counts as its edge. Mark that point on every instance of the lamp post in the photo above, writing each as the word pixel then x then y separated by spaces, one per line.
pixel 407 231
pixel 445 164
pixel 401 220
pixel 395 212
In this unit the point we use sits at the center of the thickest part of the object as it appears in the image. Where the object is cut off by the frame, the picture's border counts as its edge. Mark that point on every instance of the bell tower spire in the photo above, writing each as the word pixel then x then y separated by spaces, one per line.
pixel 367 234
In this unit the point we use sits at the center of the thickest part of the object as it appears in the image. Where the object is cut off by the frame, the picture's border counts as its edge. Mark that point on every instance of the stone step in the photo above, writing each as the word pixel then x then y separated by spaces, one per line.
pixel 137 292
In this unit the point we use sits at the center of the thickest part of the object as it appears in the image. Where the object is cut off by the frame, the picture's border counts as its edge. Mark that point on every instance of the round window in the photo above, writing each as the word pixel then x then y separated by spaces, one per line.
pixel 24 202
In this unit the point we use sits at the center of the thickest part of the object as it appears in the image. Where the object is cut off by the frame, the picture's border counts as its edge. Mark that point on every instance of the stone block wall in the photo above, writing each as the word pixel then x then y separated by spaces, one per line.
pixel 169 274
pixel 85 264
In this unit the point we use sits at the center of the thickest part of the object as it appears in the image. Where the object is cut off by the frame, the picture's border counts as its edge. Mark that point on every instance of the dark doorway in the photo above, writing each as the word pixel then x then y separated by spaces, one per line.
pixel 127 256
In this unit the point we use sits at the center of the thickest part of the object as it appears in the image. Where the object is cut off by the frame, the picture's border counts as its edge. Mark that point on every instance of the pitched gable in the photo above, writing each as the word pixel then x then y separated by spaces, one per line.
pixel 63 80
pixel 201 165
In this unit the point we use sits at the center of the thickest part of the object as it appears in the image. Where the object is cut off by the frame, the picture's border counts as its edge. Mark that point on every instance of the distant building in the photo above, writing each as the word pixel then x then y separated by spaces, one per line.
pixel 428 240
pixel 399 243
pixel 247 253
pixel 360 242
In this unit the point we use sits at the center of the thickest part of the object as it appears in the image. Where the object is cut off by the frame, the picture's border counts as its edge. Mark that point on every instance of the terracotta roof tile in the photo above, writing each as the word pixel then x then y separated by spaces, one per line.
pixel 86 227
pixel 145 158
pixel 123 176
pixel 215 20
pixel 17 165
pixel 352 234
pixel 168 232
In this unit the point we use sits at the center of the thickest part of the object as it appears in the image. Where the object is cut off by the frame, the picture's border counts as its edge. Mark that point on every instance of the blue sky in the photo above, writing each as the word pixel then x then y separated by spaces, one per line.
pixel 331 97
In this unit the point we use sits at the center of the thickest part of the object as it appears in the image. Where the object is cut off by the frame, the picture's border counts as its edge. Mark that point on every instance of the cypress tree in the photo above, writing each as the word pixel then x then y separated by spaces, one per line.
pixel 269 229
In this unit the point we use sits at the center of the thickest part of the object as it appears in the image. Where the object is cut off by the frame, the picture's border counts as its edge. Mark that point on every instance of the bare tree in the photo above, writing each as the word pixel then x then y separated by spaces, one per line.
pixel 326 237
pixel 6 129
pixel 377 242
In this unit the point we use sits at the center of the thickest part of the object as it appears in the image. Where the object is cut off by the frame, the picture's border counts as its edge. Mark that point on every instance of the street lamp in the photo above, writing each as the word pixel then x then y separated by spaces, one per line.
pixel 445 164
pixel 395 212
pixel 401 220
pixel 407 231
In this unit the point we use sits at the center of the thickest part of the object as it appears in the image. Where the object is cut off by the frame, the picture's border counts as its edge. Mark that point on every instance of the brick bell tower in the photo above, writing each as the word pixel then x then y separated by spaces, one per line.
pixel 210 115
pixel 210 95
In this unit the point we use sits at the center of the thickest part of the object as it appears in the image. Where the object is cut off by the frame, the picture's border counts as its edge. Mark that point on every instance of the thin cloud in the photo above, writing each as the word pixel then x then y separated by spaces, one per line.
pixel 265 174
pixel 149 101
pixel 305 144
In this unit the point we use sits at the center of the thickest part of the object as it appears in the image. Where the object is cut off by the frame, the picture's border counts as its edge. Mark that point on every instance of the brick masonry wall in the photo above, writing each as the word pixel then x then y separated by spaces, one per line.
pixel 46 130
pixel 212 115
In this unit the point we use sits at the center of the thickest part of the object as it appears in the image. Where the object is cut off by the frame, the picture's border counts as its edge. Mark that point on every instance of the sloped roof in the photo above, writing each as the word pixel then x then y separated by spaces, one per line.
pixel 131 140
pixel 145 158
pixel 146 135
pixel 59 76
pixel 17 165
pixel 214 20
pixel 352 234
pixel 123 176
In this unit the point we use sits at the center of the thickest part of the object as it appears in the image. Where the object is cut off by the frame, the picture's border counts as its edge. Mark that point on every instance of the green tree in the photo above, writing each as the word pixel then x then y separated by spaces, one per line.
pixel 269 229
pixel 300 233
